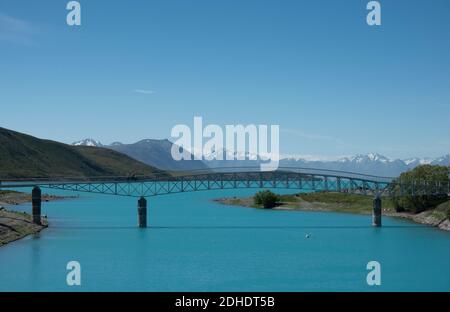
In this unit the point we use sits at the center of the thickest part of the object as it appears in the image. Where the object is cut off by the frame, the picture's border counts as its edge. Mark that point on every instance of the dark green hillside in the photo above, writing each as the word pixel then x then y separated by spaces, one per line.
pixel 23 156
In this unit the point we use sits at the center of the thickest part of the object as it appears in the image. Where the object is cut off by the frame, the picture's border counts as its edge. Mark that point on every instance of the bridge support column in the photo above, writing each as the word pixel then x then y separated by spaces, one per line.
pixel 142 212
pixel 36 200
pixel 376 213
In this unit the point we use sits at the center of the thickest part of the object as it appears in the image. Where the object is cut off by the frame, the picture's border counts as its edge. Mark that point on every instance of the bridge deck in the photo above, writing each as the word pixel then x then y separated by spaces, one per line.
pixel 288 178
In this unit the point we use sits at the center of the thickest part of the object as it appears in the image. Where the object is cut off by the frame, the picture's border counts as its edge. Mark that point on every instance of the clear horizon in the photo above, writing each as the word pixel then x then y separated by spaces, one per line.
pixel 334 85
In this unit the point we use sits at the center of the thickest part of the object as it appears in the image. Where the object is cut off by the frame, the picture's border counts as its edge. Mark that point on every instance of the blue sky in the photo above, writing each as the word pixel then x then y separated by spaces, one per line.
pixel 334 85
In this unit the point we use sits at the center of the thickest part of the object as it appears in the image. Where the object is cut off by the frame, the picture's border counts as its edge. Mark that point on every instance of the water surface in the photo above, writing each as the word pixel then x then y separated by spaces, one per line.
pixel 194 244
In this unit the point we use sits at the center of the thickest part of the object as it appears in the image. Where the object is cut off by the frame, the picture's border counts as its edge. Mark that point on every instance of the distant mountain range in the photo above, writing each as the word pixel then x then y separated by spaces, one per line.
pixel 24 156
pixel 372 163
pixel 157 153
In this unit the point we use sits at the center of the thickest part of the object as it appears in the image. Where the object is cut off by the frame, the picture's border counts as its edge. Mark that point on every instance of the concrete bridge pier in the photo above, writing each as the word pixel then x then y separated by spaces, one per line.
pixel 142 212
pixel 376 212
pixel 36 200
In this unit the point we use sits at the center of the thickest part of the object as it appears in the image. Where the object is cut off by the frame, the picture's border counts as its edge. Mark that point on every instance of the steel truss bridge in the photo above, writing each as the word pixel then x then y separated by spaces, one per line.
pixel 304 179
pixel 236 178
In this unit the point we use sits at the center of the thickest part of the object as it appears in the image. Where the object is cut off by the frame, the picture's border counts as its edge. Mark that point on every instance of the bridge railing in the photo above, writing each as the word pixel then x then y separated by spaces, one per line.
pixel 238 177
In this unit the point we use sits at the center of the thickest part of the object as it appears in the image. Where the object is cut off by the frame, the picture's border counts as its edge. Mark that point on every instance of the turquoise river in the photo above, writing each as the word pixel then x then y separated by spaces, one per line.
pixel 195 244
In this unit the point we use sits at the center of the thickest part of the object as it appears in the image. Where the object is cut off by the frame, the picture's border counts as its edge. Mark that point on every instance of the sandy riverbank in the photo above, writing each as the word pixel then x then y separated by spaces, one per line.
pixel 13 198
pixel 16 225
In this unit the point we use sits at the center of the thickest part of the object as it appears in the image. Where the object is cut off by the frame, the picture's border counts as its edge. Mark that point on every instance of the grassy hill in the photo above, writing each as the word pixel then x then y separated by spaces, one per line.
pixel 24 156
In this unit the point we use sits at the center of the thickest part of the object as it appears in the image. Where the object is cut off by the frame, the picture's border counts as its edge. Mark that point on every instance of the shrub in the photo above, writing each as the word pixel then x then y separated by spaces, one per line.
pixel 266 198
pixel 419 203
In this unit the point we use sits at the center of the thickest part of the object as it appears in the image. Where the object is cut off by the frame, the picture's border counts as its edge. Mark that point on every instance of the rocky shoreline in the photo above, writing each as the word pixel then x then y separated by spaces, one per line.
pixel 13 198
pixel 433 218
pixel 15 225
pixel 426 218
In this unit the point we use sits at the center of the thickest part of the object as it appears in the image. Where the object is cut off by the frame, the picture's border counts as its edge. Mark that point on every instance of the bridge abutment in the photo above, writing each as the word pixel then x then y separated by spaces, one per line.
pixel 376 212
pixel 142 212
pixel 36 200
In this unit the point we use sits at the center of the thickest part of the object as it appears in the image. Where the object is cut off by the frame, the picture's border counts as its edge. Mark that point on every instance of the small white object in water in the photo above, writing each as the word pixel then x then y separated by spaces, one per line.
pixel 307 236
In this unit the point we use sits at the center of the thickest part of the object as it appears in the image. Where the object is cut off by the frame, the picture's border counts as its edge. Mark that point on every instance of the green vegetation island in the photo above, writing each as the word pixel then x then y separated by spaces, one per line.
pixel 15 225
pixel 344 203
pixel 431 208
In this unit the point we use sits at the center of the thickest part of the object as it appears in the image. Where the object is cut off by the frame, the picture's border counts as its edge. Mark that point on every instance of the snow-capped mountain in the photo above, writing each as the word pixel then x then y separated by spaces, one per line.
pixel 371 157
pixel 241 160
pixel 372 163
pixel 442 161
pixel 226 154
pixel 157 153
pixel 87 142
pixel 415 161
